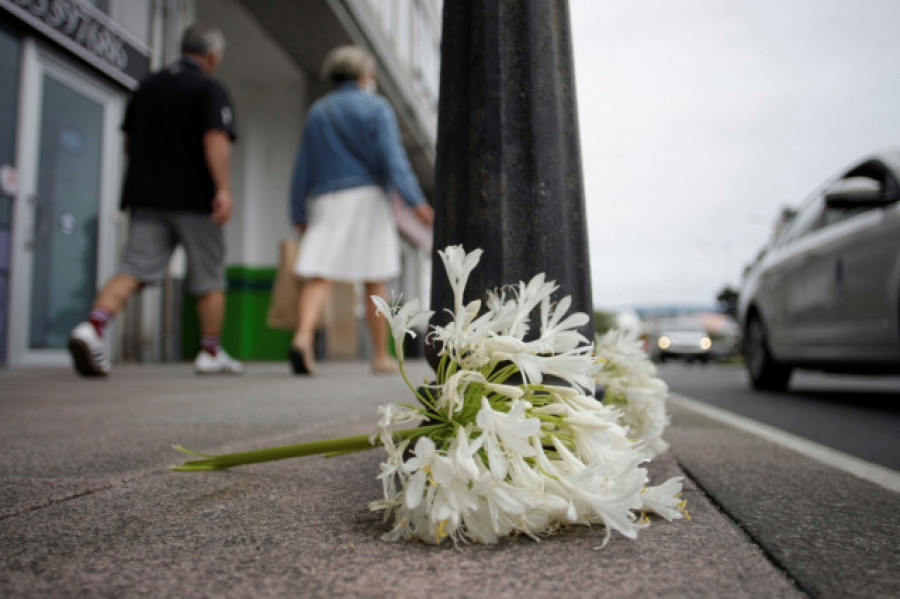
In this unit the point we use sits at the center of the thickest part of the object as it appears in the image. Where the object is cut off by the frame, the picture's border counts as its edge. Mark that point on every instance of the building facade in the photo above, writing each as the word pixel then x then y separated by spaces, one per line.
pixel 67 68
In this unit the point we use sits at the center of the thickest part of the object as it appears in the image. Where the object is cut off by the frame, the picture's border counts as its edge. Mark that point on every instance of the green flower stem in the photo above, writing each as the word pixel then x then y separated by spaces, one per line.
pixel 408 383
pixel 420 396
pixel 442 370
pixel 329 446
pixel 406 379
pixel 501 376
pixel 556 421
pixel 337 454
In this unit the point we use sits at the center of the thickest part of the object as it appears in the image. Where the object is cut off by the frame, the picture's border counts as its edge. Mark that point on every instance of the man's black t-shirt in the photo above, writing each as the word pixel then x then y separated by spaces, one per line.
pixel 165 122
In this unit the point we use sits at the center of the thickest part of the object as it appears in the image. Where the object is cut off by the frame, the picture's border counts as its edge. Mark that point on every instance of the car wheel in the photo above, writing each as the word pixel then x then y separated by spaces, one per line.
pixel 766 372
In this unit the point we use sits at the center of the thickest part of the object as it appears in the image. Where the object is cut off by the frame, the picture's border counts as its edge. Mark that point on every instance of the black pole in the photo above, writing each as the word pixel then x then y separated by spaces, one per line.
pixel 508 173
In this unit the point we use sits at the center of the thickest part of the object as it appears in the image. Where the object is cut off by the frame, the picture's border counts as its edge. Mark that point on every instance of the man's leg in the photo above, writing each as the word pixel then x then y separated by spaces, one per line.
pixel 117 291
pixel 150 243
pixel 211 312
pixel 212 359
pixel 204 244
pixel 86 344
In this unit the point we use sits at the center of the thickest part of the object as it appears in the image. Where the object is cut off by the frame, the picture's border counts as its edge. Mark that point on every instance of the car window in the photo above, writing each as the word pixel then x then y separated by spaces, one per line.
pixel 836 215
pixel 807 219
pixel 814 215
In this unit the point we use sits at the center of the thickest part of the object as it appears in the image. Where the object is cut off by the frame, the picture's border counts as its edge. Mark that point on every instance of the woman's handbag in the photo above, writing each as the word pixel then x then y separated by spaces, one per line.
pixel 282 312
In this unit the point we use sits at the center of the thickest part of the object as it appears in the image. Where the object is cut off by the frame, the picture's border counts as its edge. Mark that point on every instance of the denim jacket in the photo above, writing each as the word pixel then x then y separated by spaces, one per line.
pixel 351 139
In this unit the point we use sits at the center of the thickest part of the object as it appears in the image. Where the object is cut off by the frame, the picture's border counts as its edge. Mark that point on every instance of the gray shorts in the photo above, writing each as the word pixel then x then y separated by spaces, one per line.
pixel 153 236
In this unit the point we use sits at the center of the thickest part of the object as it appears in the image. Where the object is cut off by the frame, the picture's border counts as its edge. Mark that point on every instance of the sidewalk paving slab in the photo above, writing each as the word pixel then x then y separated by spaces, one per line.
pixel 88 509
pixel 836 534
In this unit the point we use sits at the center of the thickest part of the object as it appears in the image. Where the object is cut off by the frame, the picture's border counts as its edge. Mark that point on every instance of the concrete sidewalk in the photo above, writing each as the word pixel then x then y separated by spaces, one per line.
pixel 87 507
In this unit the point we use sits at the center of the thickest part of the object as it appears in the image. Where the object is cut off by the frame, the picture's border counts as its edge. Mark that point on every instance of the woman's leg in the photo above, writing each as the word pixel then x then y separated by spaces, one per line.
pixel 312 298
pixel 381 359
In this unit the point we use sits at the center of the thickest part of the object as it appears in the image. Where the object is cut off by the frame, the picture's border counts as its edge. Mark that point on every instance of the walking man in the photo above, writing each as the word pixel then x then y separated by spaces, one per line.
pixel 179 126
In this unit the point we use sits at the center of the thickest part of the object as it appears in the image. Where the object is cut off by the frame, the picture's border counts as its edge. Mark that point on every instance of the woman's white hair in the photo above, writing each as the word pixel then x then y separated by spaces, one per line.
pixel 347 63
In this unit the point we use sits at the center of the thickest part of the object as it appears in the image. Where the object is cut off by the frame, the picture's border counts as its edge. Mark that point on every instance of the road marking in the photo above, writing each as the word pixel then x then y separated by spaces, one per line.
pixel 884 477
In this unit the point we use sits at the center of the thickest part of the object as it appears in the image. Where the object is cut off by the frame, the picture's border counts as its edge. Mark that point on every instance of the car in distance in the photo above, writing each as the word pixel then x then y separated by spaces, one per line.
pixel 684 342
pixel 824 293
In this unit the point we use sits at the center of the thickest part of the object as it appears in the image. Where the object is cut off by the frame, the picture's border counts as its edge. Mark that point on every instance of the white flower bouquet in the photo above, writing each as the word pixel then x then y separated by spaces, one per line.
pixel 630 383
pixel 509 438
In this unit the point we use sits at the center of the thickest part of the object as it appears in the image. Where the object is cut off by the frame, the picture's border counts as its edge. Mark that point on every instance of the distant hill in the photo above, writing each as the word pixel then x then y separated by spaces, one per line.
pixel 672 310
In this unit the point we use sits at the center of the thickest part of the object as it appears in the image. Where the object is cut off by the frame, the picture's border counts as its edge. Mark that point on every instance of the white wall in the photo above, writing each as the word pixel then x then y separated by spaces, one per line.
pixel 265 155
pixel 269 93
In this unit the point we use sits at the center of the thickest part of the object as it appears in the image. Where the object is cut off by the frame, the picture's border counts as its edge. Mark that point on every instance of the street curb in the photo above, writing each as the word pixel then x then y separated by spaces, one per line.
pixel 879 475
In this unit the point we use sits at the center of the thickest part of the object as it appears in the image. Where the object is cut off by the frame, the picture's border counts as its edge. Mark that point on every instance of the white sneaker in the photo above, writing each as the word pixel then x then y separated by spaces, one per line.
pixel 88 351
pixel 221 363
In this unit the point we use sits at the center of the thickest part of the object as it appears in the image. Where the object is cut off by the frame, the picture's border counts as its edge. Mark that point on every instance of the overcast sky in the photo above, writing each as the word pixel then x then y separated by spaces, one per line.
pixel 701 119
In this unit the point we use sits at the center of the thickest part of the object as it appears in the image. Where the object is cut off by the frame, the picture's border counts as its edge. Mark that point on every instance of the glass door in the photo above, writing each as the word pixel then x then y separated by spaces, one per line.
pixel 9 96
pixel 69 172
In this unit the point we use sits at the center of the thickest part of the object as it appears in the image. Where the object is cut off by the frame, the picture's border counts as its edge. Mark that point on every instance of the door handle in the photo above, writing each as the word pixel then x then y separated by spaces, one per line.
pixel 39 226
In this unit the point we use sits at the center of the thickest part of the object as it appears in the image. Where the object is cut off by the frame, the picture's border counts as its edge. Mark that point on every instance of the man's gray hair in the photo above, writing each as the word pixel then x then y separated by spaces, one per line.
pixel 347 63
pixel 202 41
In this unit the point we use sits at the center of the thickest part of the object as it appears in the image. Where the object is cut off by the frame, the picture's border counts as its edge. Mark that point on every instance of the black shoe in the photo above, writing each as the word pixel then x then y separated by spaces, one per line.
pixel 298 361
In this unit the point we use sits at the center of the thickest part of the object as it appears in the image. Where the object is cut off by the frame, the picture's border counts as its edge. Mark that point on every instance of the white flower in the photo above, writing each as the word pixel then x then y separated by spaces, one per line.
pixel 453 392
pixel 644 413
pixel 440 492
pixel 420 466
pixel 510 391
pixel 502 509
pixel 599 492
pixel 402 319
pixel 557 329
pixel 572 367
pixel 462 454
pixel 529 457
pixel 388 474
pixel 454 496
pixel 598 437
pixel 528 296
pixel 503 311
pixel 614 505
pixel 459 266
pixel 460 335
pixel 503 433
pixel 630 382
pixel 501 347
pixel 665 499
pixel 392 415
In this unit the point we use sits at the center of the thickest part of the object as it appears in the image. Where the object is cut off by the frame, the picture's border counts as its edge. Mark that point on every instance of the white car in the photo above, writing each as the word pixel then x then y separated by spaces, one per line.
pixel 824 294
pixel 684 342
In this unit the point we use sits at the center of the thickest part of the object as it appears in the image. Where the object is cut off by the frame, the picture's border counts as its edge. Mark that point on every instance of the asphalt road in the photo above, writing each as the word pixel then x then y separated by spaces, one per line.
pixel 857 415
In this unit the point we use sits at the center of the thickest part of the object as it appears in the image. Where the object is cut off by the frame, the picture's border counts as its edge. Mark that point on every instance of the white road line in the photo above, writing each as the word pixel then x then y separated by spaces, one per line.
pixel 884 477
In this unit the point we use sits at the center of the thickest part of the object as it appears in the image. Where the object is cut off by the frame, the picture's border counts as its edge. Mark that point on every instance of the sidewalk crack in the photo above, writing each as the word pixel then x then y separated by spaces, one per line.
pixel 84 492
pixel 748 533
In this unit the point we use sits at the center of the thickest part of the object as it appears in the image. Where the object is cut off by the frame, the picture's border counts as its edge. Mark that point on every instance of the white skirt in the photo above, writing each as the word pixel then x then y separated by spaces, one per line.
pixel 351 237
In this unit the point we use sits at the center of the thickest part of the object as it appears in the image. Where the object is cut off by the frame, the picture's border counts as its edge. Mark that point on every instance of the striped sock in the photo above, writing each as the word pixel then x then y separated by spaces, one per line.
pixel 99 317
pixel 210 344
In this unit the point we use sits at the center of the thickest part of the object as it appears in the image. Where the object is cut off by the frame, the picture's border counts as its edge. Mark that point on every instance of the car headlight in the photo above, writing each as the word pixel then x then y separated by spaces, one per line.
pixel 663 342
pixel 705 343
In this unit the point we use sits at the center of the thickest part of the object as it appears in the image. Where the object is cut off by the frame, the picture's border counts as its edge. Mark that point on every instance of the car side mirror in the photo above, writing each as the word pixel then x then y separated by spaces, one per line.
pixel 857 192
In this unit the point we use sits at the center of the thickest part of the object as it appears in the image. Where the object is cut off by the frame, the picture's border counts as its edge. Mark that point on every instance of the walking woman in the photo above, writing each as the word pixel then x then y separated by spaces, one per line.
pixel 350 159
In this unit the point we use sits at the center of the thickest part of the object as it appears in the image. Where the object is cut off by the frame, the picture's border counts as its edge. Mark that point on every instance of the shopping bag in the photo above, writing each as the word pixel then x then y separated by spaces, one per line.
pixel 282 312
pixel 409 226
